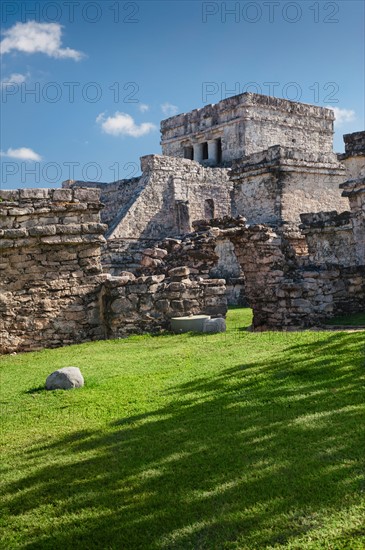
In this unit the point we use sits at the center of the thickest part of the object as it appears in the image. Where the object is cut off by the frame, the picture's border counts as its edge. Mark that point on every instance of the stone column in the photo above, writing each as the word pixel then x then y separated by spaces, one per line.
pixel 198 152
pixel 213 151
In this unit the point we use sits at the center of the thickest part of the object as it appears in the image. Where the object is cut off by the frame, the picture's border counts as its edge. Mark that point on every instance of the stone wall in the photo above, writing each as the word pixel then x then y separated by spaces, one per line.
pixel 124 254
pixel 276 185
pixel 246 124
pixel 206 258
pixel 330 238
pixel 53 291
pixel 354 190
pixel 50 267
pixel 354 157
pixel 285 290
pixel 147 303
pixel 289 292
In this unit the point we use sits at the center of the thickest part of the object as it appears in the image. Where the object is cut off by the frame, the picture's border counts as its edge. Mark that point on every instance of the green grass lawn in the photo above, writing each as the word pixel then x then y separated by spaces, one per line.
pixel 229 441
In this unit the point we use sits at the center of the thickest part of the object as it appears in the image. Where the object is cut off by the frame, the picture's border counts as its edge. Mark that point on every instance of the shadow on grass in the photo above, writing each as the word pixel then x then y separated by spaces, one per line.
pixel 39 389
pixel 252 458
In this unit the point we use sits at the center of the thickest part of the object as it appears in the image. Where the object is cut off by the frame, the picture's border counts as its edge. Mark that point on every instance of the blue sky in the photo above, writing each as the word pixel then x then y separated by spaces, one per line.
pixel 84 85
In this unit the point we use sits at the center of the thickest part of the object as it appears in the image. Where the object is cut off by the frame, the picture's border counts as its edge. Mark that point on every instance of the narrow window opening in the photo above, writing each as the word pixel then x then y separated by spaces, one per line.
pixel 219 151
pixel 205 151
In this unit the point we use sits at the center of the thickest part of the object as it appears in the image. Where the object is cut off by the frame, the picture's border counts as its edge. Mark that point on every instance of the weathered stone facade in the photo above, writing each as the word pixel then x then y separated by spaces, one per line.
pixel 244 124
pixel 147 303
pixel 354 156
pixel 174 192
pixel 165 200
pixel 276 185
pixel 50 267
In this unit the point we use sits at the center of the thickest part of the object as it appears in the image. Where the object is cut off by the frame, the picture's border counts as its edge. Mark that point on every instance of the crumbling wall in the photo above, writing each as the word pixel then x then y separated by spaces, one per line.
pixel 146 304
pixel 354 190
pixel 50 267
pixel 124 254
pixel 330 238
pixel 276 185
pixel 354 156
pixel 206 257
pixel 285 290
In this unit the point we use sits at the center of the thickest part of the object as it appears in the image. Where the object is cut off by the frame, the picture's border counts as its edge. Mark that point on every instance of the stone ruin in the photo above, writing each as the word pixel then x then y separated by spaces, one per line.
pixel 248 204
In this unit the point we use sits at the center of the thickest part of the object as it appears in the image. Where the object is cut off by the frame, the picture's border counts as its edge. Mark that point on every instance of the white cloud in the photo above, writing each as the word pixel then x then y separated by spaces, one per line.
pixel 169 110
pixel 23 153
pixel 33 37
pixel 13 79
pixel 342 115
pixel 143 107
pixel 122 124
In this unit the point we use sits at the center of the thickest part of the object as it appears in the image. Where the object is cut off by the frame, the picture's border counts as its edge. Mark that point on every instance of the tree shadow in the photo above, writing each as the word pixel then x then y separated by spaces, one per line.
pixel 250 458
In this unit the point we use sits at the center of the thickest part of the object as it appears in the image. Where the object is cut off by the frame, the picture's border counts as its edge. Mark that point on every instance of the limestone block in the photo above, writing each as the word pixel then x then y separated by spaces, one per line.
pixel 62 195
pixel 182 271
pixel 87 195
pixel 147 261
pixel 34 193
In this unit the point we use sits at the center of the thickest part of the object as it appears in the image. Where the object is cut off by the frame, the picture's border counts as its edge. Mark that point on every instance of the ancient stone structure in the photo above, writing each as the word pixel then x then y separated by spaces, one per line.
pixel 166 244
pixel 268 159
pixel 147 303
pixel 354 157
pixel 276 185
pixel 52 289
pixel 244 124
pixel 165 200
pixel 278 149
pixel 288 290
pixel 50 267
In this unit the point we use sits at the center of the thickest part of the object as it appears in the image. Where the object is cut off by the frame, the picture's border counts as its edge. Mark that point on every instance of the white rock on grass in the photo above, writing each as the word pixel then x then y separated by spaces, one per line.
pixel 65 379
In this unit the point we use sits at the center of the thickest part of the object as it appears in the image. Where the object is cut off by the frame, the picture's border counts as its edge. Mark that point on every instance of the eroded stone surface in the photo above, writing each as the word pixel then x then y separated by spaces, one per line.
pixel 65 379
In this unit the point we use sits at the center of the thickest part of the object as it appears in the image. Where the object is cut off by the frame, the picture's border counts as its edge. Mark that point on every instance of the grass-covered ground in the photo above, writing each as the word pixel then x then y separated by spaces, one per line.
pixel 228 441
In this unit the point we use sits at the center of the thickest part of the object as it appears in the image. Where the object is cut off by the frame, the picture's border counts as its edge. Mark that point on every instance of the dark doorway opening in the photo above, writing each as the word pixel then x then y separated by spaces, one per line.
pixel 205 151
pixel 219 151
pixel 188 153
